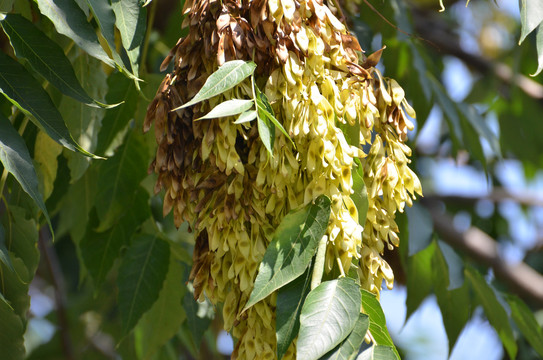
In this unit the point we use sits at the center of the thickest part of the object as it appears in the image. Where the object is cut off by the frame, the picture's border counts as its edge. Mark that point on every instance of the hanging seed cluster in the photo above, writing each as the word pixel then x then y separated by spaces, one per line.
pixel 219 177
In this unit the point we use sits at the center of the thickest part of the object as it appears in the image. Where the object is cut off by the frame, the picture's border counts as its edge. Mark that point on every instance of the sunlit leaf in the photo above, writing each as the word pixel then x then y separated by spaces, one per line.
pixel 71 21
pixel 264 109
pixel 379 352
pixel 539 46
pixel 531 16
pixel 328 316
pixel 229 108
pixel 378 327
pixel 141 276
pixel 246 117
pixel 226 77
pixel 348 349
pixel 46 152
pixel 291 249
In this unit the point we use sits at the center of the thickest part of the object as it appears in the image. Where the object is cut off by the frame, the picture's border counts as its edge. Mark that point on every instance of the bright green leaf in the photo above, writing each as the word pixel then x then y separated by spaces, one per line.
pixel 141 276
pixel 28 95
pixel 531 16
pixel 421 228
pixel 119 178
pixel 290 299
pixel 379 352
pixel 266 130
pixel 246 117
pixel 494 311
pixel 225 78
pixel 16 159
pixel 265 110
pixel 165 317
pixel 46 152
pixel 378 327
pixel 71 21
pixel 328 316
pixel 291 249
pixel 45 56
pixel 349 348
pixel 228 108
pixel 526 322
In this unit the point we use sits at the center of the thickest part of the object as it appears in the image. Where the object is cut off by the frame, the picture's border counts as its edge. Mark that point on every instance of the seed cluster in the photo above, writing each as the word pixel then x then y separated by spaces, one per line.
pixel 219 177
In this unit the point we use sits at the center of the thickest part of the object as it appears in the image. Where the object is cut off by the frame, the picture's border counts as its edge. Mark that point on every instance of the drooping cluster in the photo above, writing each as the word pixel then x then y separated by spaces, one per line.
pixel 219 177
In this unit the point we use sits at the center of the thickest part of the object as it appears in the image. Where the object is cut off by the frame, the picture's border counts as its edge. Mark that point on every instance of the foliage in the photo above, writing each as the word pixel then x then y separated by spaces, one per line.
pixel 76 78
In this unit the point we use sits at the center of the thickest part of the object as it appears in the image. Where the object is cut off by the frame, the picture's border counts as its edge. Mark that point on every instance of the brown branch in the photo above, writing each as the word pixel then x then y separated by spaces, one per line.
pixel 520 277
pixel 57 280
pixel 497 195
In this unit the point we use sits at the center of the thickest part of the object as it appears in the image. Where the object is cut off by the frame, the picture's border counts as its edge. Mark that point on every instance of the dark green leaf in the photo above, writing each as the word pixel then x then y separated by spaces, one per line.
pixel 141 276
pixel 264 109
pixel 115 120
pixel 454 304
pixel 12 330
pixel 165 317
pixel 199 316
pixel 494 311
pixel 16 159
pixel 378 327
pixel 225 78
pixel 266 129
pixel 455 265
pixel 119 178
pixel 99 250
pixel 6 5
pixel 291 249
pixel 28 95
pixel 526 322
pixel 131 22
pixel 481 127
pixel 531 16
pixel 246 117
pixel 228 108
pixel 328 316
pixel 349 348
pixel 290 299
pixel 4 254
pixel 360 194
pixel 71 21
pixel 419 278
pixel 45 56
pixel 379 352
pixel 421 228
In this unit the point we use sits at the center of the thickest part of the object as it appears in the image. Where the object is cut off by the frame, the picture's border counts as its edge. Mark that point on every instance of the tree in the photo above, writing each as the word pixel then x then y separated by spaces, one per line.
pixel 86 231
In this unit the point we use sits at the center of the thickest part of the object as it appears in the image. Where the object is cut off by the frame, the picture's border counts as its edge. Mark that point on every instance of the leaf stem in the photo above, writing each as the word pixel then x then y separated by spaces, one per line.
pixel 340 265
pixel 318 269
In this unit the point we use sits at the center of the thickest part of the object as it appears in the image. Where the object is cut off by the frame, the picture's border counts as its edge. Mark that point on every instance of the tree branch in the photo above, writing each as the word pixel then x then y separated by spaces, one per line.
pixel 497 195
pixel 522 279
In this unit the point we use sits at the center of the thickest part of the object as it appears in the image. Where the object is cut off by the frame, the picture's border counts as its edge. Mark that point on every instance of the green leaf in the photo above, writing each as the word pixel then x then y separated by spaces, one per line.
pixel 526 322
pixel 46 152
pixel 291 249
pixel 421 228
pixel 266 130
pixel 226 77
pixel 4 254
pixel 141 275
pixel 419 278
pixel 349 348
pixel 246 117
pixel 454 304
pixel 84 122
pixel 228 108
pixel 71 21
pixel 45 56
pixel 494 311
pixel 131 22
pixel 264 109
pixel 360 194
pixel 199 315
pixel 115 120
pixel 99 250
pixel 539 46
pixel 531 16
pixel 379 352
pixel 378 327
pixel 165 317
pixel 328 316
pixel 290 299
pixel 12 330
pixel 481 127
pixel 6 5
pixel 16 160
pixel 119 178
pixel 28 95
